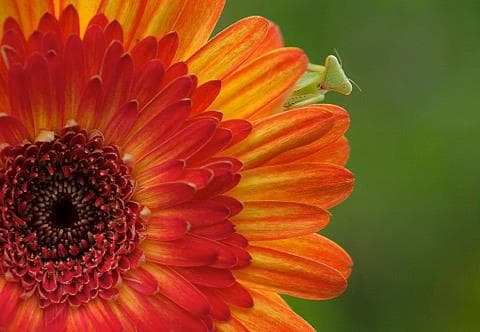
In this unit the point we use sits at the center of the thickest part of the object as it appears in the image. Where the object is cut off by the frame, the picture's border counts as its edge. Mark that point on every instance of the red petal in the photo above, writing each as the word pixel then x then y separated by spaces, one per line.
pixel 12 131
pixel 163 125
pixel 236 295
pixel 121 123
pixel 95 44
pixel 204 95
pixel 69 22
pixel 143 51
pixel 207 276
pixel 114 31
pixel 9 299
pixel 183 145
pixel 173 286
pixel 188 251
pixel 167 47
pixel 147 82
pixel 74 75
pixel 142 281
pixel 89 103
pixel 117 89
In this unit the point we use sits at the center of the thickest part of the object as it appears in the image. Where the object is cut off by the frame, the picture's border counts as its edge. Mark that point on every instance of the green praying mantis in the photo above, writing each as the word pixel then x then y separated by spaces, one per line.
pixel 317 81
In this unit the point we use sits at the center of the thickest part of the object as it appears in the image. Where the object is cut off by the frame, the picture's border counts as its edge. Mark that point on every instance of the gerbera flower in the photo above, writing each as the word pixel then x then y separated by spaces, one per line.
pixel 148 181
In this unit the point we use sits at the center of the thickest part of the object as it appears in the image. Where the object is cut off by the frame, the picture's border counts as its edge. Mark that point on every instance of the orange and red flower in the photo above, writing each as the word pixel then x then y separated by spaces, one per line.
pixel 146 180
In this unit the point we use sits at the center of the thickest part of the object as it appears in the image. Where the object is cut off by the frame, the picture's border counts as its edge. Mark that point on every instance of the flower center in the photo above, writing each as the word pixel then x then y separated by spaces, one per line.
pixel 67 224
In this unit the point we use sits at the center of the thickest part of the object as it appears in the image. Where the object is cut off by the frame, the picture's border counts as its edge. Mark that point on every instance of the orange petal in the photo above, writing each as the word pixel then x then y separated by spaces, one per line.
pixel 334 153
pixel 340 126
pixel 268 315
pixel 322 185
pixel 191 34
pixel 291 275
pixel 268 220
pixel 281 132
pixel 229 48
pixel 272 41
pixel 314 247
pixel 166 229
pixel 159 17
pixel 257 84
pixel 136 311
pixel 232 325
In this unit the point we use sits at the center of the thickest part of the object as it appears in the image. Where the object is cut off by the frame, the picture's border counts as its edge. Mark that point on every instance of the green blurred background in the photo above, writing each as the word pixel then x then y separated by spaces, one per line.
pixel 412 224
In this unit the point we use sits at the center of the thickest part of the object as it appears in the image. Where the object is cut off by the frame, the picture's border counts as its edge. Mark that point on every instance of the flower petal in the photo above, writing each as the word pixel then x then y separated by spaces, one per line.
pixel 173 286
pixel 159 17
pixel 254 86
pixel 137 311
pixel 183 145
pixel 121 123
pixel 29 314
pixel 322 185
pixel 188 251
pixel 20 106
pixel 142 281
pixel 117 89
pixel 230 47
pixel 272 41
pixel 9 301
pixel 191 34
pixel 166 195
pixel 12 130
pixel 176 91
pixel 89 103
pixel 25 12
pixel 166 122
pixel 166 229
pixel 334 153
pixel 268 220
pixel 281 132
pixel 291 275
pixel 207 276
pixel 269 315
pixel 74 75
pixel 340 125
pixel 314 247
